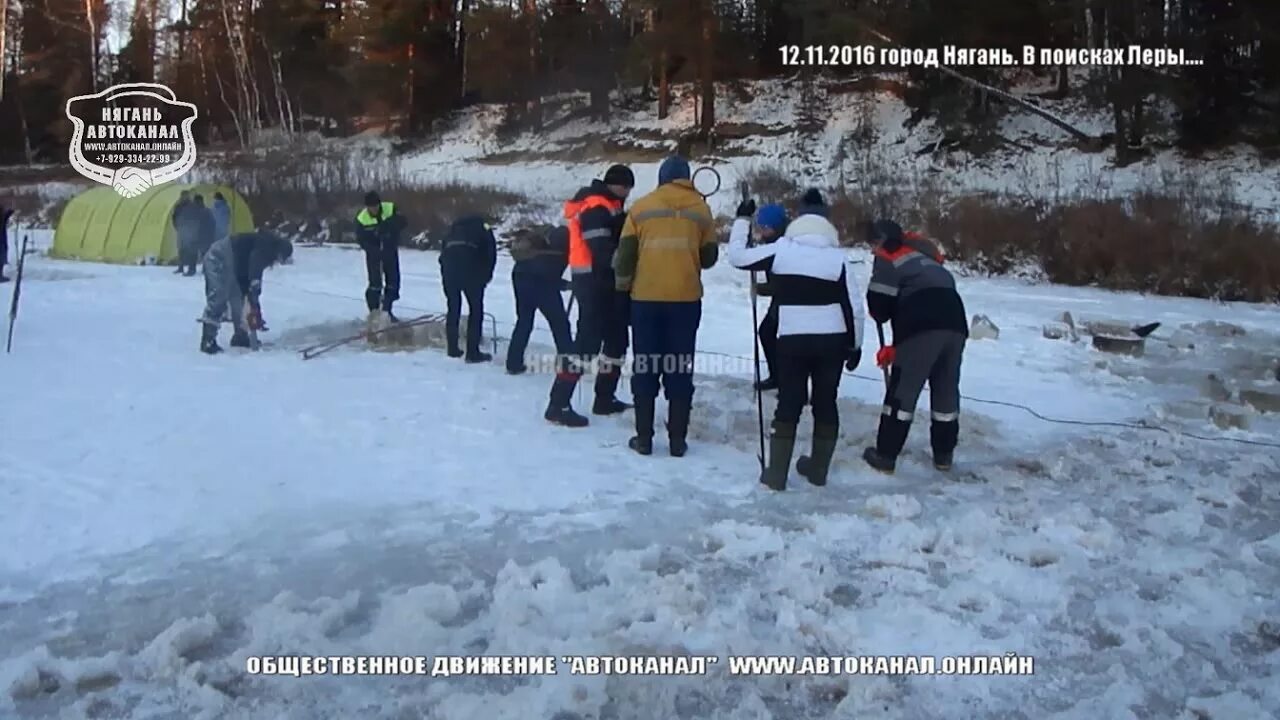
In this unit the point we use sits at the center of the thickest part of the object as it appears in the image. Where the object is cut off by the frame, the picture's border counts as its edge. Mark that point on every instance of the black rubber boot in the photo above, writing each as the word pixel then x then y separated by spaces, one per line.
pixel 767 384
pixel 209 340
pixel 606 402
pixel 879 462
pixel 564 416
pixel 478 357
pixel 943 437
pixel 642 441
pixel 814 466
pixel 890 438
pixel 240 339
pixel 678 412
pixel 373 299
pixel 781 444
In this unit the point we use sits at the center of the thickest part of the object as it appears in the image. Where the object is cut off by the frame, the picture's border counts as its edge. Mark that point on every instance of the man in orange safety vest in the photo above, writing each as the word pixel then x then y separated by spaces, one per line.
pixel 594 217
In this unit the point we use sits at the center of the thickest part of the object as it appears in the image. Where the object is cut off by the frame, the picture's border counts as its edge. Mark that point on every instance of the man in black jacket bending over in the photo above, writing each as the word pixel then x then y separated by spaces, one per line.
pixel 467 261
pixel 538 280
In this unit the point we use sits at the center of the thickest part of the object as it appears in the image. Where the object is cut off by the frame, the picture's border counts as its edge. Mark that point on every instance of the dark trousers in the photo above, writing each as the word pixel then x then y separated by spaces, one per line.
pixel 809 368
pixel 455 289
pixel 537 295
pixel 932 356
pixel 382 263
pixel 603 319
pixel 769 339
pixel 188 255
pixel 665 336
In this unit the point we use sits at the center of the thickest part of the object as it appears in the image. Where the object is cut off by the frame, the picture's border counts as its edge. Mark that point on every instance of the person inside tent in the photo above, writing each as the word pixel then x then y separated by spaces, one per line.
pixel 221 217
pixel 5 214
pixel 233 270
pixel 185 230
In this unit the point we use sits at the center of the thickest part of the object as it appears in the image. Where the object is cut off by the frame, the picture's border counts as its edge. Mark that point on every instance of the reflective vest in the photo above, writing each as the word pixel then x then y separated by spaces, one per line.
pixel 579 251
pixel 367 220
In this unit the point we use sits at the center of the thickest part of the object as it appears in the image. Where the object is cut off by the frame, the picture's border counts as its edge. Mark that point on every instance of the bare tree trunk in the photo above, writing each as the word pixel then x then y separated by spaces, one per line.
pixel 462 48
pixel 409 95
pixel 4 37
pixel 182 48
pixel 533 107
pixel 708 69
pixel 222 92
pixel 90 17
pixel 664 84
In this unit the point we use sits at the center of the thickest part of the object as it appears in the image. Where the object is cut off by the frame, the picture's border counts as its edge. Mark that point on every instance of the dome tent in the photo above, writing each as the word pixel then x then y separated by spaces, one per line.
pixel 100 225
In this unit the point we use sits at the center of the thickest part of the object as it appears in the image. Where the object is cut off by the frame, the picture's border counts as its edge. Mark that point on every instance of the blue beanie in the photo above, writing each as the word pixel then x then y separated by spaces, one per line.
pixel 772 216
pixel 673 168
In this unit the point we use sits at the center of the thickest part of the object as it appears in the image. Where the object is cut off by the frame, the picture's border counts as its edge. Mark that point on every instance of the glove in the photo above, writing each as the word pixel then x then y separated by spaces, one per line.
pixel 747 208
pixel 885 356
pixel 254 319
pixel 855 357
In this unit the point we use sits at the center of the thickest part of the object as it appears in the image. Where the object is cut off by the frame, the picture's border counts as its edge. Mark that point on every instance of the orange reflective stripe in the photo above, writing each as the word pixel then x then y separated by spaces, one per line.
pixel 579 250
pixel 906 248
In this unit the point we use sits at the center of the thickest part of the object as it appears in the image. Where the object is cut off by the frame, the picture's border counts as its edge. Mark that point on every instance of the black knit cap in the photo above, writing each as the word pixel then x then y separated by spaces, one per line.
pixel 371 199
pixel 620 175
pixel 813 204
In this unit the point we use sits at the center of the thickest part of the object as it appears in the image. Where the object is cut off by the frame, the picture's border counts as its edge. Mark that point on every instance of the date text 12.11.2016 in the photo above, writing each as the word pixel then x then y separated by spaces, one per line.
pixel 823 55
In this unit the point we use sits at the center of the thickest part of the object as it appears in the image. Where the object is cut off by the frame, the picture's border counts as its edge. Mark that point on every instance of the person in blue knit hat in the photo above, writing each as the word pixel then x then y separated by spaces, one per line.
pixel 668 239
pixel 771 223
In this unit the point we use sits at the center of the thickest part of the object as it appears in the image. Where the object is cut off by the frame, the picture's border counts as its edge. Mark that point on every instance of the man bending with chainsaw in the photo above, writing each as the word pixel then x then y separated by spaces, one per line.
pixel 911 290
pixel 233 270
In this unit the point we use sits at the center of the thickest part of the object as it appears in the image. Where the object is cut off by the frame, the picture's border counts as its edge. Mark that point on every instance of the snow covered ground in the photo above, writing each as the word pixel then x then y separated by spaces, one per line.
pixel 165 515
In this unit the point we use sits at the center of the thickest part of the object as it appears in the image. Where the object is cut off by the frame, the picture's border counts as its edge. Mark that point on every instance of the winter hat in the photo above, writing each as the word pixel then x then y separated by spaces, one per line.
pixel 672 169
pixel 888 233
pixel 620 175
pixel 772 216
pixel 813 204
pixel 371 199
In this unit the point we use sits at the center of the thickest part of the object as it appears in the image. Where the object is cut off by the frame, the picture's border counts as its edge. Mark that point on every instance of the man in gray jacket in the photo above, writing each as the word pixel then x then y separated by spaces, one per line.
pixel 233 270
pixel 912 290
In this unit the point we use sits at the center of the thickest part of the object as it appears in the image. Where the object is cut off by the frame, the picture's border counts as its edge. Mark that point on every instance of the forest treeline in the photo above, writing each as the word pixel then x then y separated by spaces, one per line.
pixel 340 66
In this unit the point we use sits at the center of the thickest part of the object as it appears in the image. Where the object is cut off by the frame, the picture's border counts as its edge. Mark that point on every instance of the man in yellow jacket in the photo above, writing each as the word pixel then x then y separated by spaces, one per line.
pixel 667 241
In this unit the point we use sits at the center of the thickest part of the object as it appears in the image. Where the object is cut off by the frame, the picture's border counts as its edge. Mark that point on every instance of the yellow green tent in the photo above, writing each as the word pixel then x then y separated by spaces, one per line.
pixel 100 225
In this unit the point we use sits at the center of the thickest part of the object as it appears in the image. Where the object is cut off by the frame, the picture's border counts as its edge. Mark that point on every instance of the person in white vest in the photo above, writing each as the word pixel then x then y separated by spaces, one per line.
pixel 820 322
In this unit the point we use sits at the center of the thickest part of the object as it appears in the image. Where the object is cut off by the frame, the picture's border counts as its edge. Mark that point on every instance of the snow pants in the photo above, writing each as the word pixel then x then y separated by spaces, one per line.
pixel 458 286
pixel 537 295
pixel 603 319
pixel 805 363
pixel 768 334
pixel 932 356
pixel 665 336
pixel 382 265
pixel 224 300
